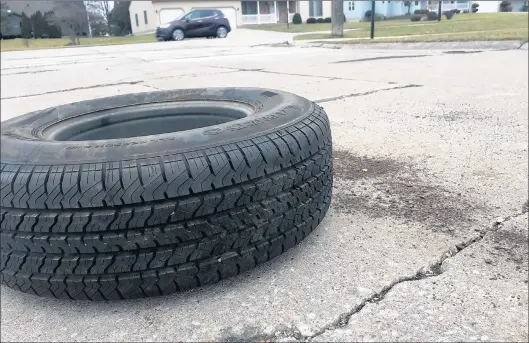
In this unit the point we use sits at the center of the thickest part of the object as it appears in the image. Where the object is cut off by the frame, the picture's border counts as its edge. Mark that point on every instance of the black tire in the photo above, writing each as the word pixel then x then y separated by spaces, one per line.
pixel 84 216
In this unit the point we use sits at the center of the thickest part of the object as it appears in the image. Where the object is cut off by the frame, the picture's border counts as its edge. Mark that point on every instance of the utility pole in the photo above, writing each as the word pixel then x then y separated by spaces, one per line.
pixel 337 18
pixel 440 9
pixel 372 19
pixel 288 13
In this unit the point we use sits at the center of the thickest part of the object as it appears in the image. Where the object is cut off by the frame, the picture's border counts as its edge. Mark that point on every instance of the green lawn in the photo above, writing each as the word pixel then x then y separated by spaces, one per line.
pixel 18 44
pixel 505 34
pixel 514 25
pixel 320 27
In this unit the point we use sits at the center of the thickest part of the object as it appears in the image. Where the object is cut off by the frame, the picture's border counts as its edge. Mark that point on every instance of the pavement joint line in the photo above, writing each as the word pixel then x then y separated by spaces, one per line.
pixel 263 70
pixel 380 58
pixel 30 72
pixel 365 93
pixel 74 89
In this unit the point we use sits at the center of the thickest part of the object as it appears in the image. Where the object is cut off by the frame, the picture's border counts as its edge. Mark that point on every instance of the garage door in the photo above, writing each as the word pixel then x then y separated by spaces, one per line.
pixel 170 14
pixel 229 12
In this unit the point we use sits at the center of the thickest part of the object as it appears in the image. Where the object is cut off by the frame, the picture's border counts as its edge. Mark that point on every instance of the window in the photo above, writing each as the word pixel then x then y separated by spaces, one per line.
pixel 207 13
pixel 145 17
pixel 249 7
pixel 137 20
pixel 315 8
pixel 351 5
pixel 192 15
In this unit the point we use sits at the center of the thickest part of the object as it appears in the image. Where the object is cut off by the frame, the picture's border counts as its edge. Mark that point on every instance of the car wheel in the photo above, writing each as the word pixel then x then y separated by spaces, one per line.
pixel 222 32
pixel 178 35
pixel 112 198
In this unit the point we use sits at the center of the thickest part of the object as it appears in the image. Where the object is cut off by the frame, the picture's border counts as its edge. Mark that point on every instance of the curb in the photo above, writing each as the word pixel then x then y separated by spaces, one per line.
pixel 492 45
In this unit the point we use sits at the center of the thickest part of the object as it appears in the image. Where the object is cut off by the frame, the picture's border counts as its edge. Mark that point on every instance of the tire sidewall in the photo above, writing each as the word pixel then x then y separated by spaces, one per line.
pixel 273 111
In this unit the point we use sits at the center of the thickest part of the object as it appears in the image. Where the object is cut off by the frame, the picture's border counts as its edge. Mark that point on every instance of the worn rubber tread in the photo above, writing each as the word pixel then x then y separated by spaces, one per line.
pixel 166 280
pixel 65 256
pixel 232 222
pixel 108 219
pixel 154 224
pixel 76 186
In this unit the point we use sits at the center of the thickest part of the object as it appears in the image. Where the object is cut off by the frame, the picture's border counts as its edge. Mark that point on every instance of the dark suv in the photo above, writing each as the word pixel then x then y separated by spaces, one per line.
pixel 197 23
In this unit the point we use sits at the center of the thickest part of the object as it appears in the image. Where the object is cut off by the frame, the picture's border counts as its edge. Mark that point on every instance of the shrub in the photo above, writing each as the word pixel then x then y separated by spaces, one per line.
pixel 320 20
pixel 505 6
pixel 416 17
pixel 421 12
pixel 296 19
pixel 458 11
pixel 311 21
pixel 449 15
pixel 328 20
pixel 475 5
pixel 475 9
pixel 378 16
pixel 465 11
pixel 399 17
pixel 432 16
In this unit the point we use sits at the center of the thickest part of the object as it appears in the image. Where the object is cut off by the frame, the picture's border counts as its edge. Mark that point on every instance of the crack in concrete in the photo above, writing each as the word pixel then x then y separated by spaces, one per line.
pixel 29 72
pixel 74 89
pixel 330 78
pixel 432 269
pixel 380 58
pixel 365 93
pixel 61 63
pixel 498 222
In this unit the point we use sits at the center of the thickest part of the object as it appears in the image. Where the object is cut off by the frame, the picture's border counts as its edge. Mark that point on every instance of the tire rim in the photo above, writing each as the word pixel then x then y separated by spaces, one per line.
pixel 222 32
pixel 178 34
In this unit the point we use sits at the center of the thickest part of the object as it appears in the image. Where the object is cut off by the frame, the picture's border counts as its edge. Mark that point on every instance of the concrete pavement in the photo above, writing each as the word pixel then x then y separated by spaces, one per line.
pixel 426 238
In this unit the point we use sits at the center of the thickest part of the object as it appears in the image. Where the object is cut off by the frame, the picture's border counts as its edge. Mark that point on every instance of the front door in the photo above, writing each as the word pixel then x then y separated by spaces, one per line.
pixel 282 11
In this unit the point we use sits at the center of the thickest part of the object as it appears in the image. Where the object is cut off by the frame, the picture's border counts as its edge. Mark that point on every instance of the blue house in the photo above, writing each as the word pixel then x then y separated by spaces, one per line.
pixel 355 10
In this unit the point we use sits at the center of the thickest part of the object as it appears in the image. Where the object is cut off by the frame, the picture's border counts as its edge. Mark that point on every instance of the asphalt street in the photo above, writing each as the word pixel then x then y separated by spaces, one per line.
pixel 426 238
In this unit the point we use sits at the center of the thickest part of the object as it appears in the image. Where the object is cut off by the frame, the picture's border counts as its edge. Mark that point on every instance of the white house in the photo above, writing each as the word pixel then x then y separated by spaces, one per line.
pixel 494 6
pixel 145 16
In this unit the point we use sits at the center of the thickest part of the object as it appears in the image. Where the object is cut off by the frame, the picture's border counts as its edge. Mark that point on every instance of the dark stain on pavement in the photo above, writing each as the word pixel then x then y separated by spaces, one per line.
pixel 382 187
pixel 252 334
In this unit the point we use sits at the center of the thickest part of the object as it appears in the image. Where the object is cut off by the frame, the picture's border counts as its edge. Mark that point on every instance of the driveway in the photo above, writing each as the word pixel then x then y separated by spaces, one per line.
pixel 426 238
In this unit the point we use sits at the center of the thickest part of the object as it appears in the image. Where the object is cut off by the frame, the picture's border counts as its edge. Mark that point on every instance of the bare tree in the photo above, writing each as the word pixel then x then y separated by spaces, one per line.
pixel 337 18
pixel 71 17
pixel 99 9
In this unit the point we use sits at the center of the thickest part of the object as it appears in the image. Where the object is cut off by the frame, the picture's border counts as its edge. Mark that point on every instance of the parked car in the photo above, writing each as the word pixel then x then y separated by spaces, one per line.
pixel 197 23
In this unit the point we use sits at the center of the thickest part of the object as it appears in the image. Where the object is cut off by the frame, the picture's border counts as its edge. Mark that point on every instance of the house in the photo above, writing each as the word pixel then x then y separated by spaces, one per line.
pixel 145 16
pixel 10 25
pixel 494 6
pixel 71 11
pixel 355 10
